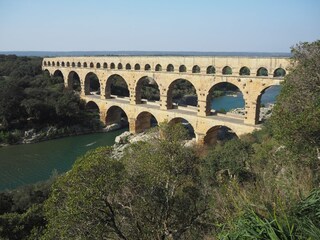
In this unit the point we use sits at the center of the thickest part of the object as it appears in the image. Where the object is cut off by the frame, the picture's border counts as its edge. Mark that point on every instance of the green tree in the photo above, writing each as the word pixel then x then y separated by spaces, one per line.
pixel 153 192
pixel 297 112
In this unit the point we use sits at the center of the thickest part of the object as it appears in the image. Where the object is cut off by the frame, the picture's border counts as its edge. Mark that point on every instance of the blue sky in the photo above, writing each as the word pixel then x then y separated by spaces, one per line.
pixel 151 25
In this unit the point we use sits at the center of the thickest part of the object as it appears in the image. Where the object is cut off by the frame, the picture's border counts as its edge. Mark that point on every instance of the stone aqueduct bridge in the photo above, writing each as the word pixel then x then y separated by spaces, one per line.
pixel 252 75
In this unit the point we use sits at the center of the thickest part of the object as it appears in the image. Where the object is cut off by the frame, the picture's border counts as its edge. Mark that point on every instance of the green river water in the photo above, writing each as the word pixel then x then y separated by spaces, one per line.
pixel 30 163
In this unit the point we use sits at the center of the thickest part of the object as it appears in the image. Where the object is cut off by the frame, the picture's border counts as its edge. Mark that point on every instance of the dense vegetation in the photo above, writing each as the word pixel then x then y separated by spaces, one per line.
pixel 264 185
pixel 31 99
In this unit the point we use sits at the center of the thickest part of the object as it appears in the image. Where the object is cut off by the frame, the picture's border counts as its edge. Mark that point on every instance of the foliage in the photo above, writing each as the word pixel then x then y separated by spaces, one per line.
pixel 38 100
pixel 21 211
pixel 153 192
pixel 297 112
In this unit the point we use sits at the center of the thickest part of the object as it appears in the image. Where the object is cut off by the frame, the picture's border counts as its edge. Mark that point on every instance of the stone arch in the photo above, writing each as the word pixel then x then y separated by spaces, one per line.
pixel 116 115
pixel 265 102
pixel 128 66
pixel 189 127
pixel 58 73
pixel 262 72
pixel 93 109
pixel 227 70
pixel 53 63
pixel 105 65
pixel 158 68
pixel 211 70
pixel 279 72
pixel 116 85
pixel 218 134
pixel 174 93
pixel 73 64
pixel 170 68
pixel 91 65
pixel 112 66
pixel 182 68
pixel 85 65
pixel 62 64
pixel 91 84
pixel 147 67
pixel 44 63
pixel 196 69
pixel 227 90
pixel 46 71
pixel 244 71
pixel 58 64
pixel 49 63
pixel 79 64
pixel 98 65
pixel 68 64
pixel 147 88
pixel 74 81
pixel 120 66
pixel 137 67
pixel 145 120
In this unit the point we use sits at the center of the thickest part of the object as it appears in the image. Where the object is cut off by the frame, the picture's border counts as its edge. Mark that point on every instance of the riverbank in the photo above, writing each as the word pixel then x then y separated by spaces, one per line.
pixel 33 135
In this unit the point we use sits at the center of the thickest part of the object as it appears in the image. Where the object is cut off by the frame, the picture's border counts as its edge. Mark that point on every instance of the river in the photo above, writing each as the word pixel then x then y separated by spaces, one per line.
pixel 30 163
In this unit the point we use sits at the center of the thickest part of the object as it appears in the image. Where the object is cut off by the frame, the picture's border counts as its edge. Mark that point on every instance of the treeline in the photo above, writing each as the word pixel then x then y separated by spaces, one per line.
pixel 31 99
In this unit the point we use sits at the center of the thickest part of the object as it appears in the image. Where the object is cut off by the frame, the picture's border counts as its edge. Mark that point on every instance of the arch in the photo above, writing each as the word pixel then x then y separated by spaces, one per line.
pixel 218 134
pixel 120 66
pixel 116 85
pixel 182 68
pixel 105 65
pixel 85 65
pixel 182 92
pixel 46 71
pixel 68 64
pixel 79 64
pixel 116 115
pixel 145 120
pixel 58 64
pixel 244 71
pixel 53 63
pixel 262 72
pixel 196 69
pixel 44 63
pixel 91 65
pixel 186 124
pixel 91 84
pixel 73 64
pixel 158 68
pixel 73 81
pixel 92 107
pixel 147 67
pixel 223 97
pixel 137 67
pixel 62 64
pixel 112 66
pixel 147 88
pixel 265 102
pixel 279 72
pixel 49 63
pixel 98 65
pixel 128 66
pixel 170 68
pixel 211 70
pixel 227 70
pixel 58 73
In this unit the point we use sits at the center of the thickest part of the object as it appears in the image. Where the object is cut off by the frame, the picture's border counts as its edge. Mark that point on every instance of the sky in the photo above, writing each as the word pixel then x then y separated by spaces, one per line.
pixel 158 25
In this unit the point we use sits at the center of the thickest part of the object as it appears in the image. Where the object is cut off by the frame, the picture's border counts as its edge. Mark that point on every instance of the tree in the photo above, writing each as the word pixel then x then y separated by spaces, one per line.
pixel 297 112
pixel 153 192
